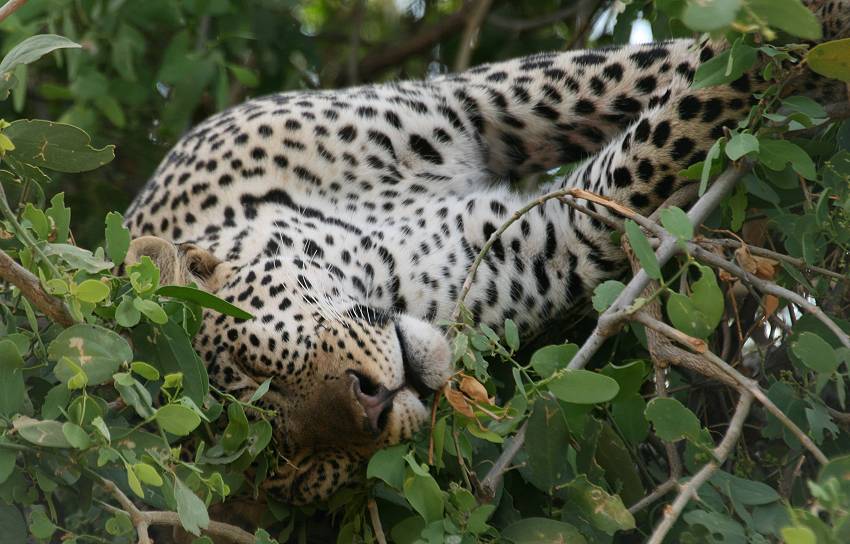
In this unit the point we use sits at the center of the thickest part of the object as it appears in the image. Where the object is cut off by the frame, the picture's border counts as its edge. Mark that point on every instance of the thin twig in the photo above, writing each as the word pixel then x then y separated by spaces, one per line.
pixel 770 288
pixel 764 252
pixel 10 7
pixel 375 517
pixel 143 519
pixel 488 486
pixel 688 491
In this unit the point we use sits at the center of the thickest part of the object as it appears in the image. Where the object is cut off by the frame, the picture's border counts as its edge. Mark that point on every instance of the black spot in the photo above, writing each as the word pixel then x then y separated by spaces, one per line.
pixel 597 86
pixel 689 107
pixel 622 177
pixel 638 200
pixel 589 59
pixel 584 107
pixel 543 110
pixel 347 133
pixel 661 134
pixel 646 84
pixel 712 109
pixel 645 59
pixel 681 148
pixel 645 170
pixel 424 149
pixel 665 187
pixel 613 71
pixel 626 104
pixel 642 131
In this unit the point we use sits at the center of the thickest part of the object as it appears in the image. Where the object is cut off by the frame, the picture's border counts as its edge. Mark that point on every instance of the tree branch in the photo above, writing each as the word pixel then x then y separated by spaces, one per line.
pixel 10 7
pixel 469 39
pixel 53 307
pixel 689 490
pixel 523 25
pixel 488 486
pixel 143 519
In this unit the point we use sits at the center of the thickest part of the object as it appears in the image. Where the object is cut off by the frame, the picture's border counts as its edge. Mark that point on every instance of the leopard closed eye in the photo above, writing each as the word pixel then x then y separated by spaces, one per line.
pixel 346 221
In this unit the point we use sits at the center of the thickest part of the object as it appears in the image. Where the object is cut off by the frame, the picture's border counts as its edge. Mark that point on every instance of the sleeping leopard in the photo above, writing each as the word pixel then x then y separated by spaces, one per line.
pixel 346 221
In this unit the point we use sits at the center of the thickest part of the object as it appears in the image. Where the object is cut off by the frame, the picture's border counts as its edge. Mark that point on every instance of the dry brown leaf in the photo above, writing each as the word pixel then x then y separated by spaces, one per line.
pixel 770 303
pixel 474 389
pixel 746 259
pixel 765 268
pixel 458 401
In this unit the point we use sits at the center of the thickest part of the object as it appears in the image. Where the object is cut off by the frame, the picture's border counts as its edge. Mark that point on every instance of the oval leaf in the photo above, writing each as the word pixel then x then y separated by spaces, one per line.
pixel 584 387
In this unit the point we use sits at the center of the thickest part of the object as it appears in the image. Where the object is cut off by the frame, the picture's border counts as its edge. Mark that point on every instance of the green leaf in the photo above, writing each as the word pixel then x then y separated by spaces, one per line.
pixel 584 387
pixel 389 465
pixel 788 15
pixel 126 314
pixel 94 349
pixel 604 511
pixel 75 435
pixel 13 524
pixel 147 474
pixel 77 257
pixel 425 496
pixel 40 525
pixel 177 419
pixel 190 509
pixel 92 291
pixel 709 165
pixel 748 492
pixel 259 437
pixel 643 251
pixel 13 392
pixel 56 146
pixel 546 440
pixel 133 482
pixel 260 391
pixel 542 531
pixel 741 144
pixel 709 15
pixel 605 294
pixel 7 463
pixel 815 353
pixel 151 310
pixel 548 359
pixel 61 217
pixel 677 223
pixel 511 334
pixel 29 50
pixel 41 433
pixel 720 70
pixel 145 370
pixel 775 154
pixel 203 298
pixel 699 314
pixel 237 428
pixel 628 413
pixel 831 59
pixel 798 535
pixel 117 237
pixel 671 419
pixel 144 276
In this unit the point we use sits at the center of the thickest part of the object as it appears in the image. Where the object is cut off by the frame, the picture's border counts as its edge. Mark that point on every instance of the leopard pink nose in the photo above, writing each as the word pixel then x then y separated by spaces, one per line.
pixel 376 400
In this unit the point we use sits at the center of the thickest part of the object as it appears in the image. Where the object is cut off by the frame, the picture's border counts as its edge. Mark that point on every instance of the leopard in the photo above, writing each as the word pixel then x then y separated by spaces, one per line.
pixel 345 221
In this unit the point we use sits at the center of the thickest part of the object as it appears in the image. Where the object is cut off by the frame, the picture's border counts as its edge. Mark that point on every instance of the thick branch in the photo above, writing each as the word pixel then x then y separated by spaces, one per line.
pixel 143 519
pixel 470 34
pixel 689 490
pixel 30 288
pixel 384 56
pixel 523 25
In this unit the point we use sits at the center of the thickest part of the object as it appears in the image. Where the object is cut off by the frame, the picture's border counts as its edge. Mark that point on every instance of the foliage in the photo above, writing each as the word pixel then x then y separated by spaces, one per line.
pixel 120 395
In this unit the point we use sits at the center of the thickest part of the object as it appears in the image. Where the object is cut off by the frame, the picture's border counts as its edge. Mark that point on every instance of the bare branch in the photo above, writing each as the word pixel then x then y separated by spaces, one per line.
pixel 611 320
pixel 488 486
pixel 30 288
pixel 469 39
pixel 764 252
pixel 10 7
pixel 523 25
pixel 689 490
pixel 143 519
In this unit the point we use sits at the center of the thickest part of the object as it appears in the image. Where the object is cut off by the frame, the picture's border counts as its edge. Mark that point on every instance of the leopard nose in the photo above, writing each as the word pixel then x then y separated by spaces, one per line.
pixel 376 400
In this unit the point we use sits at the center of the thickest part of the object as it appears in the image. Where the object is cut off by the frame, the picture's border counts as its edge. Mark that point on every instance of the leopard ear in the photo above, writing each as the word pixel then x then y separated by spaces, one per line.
pixel 180 264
